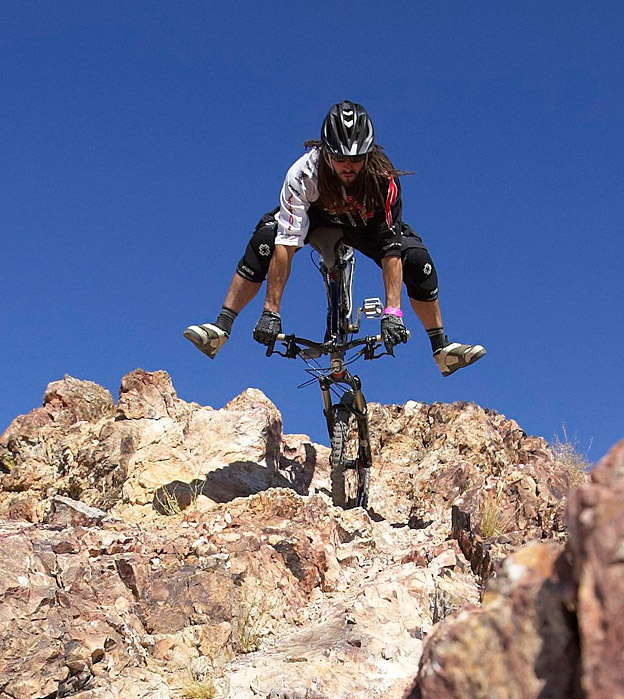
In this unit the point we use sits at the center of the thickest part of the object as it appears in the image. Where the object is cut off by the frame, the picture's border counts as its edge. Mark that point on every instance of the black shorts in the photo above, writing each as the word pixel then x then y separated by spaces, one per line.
pixel 419 272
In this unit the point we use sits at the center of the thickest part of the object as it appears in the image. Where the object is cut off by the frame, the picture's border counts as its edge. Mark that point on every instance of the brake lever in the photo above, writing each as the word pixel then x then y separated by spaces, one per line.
pixel 292 350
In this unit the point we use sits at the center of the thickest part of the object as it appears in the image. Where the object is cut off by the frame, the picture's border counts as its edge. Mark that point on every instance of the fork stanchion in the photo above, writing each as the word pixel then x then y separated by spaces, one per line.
pixel 327 401
pixel 358 400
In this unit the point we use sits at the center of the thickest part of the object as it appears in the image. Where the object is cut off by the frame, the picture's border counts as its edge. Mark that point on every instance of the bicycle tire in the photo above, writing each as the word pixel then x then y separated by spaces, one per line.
pixel 349 477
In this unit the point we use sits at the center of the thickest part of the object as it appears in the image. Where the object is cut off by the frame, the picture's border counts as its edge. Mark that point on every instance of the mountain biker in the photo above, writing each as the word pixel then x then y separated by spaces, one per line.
pixel 344 181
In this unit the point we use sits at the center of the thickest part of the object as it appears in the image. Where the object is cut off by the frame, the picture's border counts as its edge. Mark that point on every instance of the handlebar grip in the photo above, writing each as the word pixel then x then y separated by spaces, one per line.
pixel 378 338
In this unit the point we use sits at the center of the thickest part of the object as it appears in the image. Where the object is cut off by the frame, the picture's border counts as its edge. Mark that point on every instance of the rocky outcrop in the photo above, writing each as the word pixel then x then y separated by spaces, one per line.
pixel 501 487
pixel 596 521
pixel 552 622
pixel 153 543
pixel 152 449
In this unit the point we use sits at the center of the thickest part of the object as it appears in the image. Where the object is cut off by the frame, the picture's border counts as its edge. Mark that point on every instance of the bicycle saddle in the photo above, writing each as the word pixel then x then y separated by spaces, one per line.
pixel 325 241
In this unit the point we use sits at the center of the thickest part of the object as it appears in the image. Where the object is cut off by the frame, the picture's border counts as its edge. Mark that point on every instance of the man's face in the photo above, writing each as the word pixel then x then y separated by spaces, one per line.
pixel 348 170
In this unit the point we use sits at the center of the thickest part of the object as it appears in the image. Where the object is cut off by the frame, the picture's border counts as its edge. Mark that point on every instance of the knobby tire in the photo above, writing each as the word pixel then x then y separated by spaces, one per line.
pixel 349 487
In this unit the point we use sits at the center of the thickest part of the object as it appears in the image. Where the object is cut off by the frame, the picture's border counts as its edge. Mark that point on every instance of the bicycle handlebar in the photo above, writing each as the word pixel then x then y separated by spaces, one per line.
pixel 371 342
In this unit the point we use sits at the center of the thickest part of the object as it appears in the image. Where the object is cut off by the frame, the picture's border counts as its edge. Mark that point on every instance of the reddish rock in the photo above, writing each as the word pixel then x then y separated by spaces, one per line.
pixel 596 522
pixel 66 512
pixel 148 395
pixel 521 643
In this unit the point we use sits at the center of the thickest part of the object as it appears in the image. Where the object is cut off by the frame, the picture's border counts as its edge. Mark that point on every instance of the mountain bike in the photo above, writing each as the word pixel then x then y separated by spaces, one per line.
pixel 346 417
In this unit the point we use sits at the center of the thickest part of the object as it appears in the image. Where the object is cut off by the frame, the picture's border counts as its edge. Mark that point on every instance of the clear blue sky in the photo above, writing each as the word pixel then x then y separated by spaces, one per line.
pixel 141 141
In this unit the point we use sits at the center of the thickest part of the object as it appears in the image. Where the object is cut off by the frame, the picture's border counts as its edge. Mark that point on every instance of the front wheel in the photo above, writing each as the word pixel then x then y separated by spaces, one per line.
pixel 349 470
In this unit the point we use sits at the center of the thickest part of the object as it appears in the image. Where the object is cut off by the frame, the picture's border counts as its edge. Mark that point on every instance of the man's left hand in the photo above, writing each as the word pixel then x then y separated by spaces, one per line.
pixel 393 332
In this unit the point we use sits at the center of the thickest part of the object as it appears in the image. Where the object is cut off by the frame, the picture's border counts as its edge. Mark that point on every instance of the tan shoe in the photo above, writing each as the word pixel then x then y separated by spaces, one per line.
pixel 208 338
pixel 455 356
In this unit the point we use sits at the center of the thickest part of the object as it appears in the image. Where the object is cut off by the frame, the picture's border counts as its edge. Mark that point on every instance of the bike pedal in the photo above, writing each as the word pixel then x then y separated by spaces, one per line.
pixel 372 308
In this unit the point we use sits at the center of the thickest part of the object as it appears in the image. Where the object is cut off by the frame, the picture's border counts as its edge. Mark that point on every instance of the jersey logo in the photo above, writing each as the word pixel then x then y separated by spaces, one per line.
pixel 291 218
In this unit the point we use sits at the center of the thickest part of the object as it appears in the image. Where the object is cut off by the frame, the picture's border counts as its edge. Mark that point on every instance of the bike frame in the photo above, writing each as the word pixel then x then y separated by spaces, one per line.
pixel 337 267
pixel 339 286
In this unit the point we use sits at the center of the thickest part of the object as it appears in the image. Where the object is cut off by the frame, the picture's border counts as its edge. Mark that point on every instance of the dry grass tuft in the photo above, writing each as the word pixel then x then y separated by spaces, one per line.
pixel 196 689
pixel 569 456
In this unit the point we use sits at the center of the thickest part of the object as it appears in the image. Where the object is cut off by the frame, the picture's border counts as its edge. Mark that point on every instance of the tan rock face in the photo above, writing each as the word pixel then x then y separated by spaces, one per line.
pixel 154 540
pixel 150 449
pixel 501 487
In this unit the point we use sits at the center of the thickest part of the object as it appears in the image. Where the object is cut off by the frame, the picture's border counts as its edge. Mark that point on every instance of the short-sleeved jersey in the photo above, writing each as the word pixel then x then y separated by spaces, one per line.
pixel 378 232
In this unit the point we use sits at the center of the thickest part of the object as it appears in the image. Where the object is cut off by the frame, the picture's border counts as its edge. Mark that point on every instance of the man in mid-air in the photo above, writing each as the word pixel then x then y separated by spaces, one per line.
pixel 343 181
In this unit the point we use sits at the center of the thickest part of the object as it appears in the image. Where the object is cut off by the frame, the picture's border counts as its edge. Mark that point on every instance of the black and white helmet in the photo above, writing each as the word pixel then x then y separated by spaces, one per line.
pixel 347 130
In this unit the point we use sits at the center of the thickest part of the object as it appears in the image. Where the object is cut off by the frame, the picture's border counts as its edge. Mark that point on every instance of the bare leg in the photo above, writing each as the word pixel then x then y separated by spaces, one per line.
pixel 240 293
pixel 428 312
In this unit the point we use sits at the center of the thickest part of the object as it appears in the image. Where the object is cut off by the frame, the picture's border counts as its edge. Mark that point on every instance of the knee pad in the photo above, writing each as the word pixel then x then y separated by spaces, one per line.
pixel 419 274
pixel 254 264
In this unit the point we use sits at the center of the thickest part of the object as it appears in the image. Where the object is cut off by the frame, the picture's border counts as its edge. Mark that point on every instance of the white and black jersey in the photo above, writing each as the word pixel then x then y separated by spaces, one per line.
pixel 378 232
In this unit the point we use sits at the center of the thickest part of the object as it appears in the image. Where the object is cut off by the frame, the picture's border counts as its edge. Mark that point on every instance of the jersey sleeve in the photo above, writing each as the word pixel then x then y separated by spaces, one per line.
pixel 298 192
pixel 390 230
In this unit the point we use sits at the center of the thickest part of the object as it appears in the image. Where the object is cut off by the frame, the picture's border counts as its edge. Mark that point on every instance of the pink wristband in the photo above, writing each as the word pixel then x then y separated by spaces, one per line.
pixel 389 311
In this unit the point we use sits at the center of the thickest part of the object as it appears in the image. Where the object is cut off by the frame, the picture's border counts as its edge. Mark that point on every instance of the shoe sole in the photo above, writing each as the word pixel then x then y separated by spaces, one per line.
pixel 481 353
pixel 191 335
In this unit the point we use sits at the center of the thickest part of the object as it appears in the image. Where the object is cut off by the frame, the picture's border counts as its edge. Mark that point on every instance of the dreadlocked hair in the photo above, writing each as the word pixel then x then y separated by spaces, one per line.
pixel 366 193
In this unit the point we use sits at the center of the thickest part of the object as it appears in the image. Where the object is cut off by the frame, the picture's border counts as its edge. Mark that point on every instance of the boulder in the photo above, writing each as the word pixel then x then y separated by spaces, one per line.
pixel 521 642
pixel 596 522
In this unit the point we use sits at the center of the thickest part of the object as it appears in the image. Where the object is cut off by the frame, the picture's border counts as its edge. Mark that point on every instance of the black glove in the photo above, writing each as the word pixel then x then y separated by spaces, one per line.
pixel 268 327
pixel 393 332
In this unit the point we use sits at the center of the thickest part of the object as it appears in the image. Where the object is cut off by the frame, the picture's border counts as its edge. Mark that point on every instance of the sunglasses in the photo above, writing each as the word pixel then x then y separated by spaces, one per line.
pixel 344 158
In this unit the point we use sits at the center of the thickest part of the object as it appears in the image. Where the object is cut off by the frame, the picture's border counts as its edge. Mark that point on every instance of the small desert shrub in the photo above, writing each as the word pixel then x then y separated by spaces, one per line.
pixel 493 522
pixel 199 689
pixel 173 499
pixel 251 625
pixel 568 455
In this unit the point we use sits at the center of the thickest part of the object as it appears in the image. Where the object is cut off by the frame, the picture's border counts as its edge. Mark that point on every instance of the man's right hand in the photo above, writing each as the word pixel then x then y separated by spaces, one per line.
pixel 268 327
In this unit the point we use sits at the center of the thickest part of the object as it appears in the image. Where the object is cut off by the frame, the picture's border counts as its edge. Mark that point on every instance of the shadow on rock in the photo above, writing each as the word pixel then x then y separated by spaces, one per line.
pixel 236 480
pixel 298 473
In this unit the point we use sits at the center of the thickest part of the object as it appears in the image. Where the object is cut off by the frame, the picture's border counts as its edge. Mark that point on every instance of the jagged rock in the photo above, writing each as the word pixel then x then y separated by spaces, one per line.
pixel 153 450
pixel 66 512
pixel 215 549
pixel 552 621
pixel 39 447
pixel 502 487
pixel 596 521
pixel 149 395
pixel 523 631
